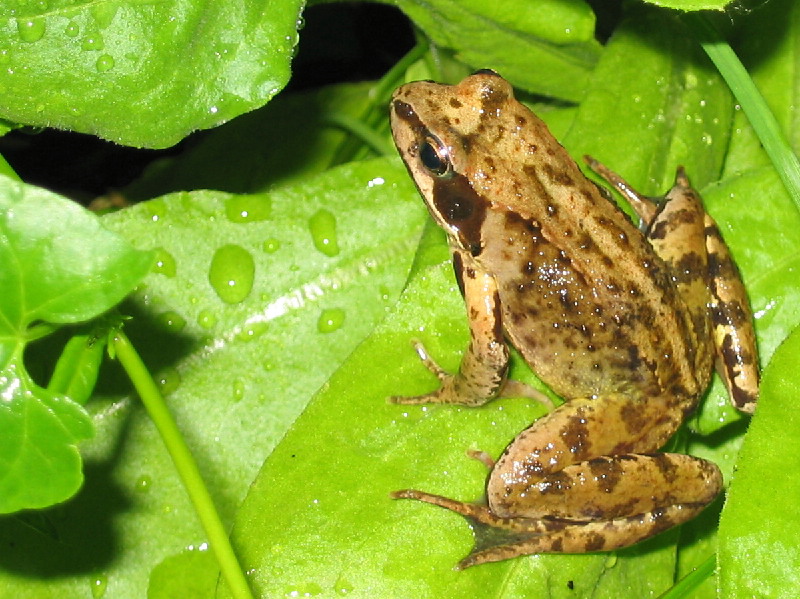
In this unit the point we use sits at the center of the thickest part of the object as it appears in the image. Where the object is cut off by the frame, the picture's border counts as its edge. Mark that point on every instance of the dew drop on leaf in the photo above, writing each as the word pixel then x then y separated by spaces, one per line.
pixel 247 209
pixel 207 319
pixel 72 29
pixel 143 483
pixel 323 232
pixel 231 273
pixel 104 63
pixel 252 331
pixel 343 587
pixel 165 263
pixel 172 321
pixel 238 390
pixel 308 589
pixel 93 42
pixel 271 245
pixel 330 320
pixel 99 585
pixel 31 29
pixel 168 380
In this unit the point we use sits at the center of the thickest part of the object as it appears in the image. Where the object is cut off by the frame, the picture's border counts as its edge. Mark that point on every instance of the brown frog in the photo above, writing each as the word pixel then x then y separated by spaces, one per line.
pixel 623 323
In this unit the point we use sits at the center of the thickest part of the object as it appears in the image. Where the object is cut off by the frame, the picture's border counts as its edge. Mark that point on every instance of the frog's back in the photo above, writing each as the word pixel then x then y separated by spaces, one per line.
pixel 587 318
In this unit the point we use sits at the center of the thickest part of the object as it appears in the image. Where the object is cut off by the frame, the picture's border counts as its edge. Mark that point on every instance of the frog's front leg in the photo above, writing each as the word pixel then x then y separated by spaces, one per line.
pixel 485 363
pixel 582 479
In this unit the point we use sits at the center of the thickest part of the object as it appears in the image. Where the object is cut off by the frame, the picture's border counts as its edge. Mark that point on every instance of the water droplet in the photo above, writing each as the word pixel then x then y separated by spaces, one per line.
pixel 207 319
pixel 31 29
pixel 271 245
pixel 172 321
pixel 99 585
pixel 238 390
pixel 330 320
pixel 343 586
pixel 165 263
pixel 73 29
pixel 93 42
pixel 251 331
pixel 155 209
pixel 168 380
pixel 247 209
pixel 231 273
pixel 309 589
pixel 143 483
pixel 104 63
pixel 323 232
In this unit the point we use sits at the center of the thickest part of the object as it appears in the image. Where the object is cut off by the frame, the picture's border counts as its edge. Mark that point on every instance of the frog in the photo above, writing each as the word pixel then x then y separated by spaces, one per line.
pixel 625 323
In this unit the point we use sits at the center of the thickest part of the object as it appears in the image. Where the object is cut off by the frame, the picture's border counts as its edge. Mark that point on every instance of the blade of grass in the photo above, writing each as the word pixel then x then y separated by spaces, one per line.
pixel 687 585
pixel 184 463
pixel 751 101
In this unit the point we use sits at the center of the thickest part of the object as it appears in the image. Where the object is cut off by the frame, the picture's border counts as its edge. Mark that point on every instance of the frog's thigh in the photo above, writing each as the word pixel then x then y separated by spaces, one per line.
pixel 620 486
pixel 734 337
pixel 484 366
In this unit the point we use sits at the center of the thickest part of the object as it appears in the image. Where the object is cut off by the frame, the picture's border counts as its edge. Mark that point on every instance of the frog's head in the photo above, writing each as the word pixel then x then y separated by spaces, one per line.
pixel 447 136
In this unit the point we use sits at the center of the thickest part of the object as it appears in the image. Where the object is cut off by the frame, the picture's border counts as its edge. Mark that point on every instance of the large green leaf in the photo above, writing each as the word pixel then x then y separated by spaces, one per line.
pixel 548 47
pixel 319 518
pixel 142 73
pixel 760 558
pixel 237 373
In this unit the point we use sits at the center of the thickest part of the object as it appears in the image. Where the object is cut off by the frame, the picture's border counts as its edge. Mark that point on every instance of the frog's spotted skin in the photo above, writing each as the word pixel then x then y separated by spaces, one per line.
pixel 623 324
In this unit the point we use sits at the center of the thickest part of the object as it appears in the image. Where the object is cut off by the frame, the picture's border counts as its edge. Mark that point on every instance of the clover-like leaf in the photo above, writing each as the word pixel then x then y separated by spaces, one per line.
pixel 57 265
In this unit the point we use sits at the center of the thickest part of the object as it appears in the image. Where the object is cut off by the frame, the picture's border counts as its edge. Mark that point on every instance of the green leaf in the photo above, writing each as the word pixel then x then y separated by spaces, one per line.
pixel 59 265
pixel 142 74
pixel 668 107
pixel 237 375
pixel 687 5
pixel 39 463
pixel 295 139
pixel 319 518
pixel 191 573
pixel 557 37
pixel 763 560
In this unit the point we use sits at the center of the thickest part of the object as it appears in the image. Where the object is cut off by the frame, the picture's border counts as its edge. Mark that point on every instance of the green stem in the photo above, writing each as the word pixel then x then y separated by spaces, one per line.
pixel 361 131
pixel 184 464
pixel 752 102
pixel 374 114
pixel 689 583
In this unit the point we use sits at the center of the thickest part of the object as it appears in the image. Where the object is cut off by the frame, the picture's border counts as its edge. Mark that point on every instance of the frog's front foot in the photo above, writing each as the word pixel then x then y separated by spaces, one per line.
pixel 473 389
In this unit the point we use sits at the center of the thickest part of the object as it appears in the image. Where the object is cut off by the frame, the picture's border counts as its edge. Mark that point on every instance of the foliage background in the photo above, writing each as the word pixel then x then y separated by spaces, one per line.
pixel 279 385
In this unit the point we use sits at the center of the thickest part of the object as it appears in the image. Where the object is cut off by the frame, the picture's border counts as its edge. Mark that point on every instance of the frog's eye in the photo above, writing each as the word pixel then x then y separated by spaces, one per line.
pixel 434 157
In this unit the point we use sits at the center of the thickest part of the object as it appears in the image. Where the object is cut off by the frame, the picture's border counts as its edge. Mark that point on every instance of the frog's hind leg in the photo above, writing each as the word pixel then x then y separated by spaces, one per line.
pixel 732 317
pixel 498 539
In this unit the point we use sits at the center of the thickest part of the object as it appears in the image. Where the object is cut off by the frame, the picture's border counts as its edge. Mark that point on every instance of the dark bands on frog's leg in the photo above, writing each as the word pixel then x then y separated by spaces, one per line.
pixel 737 357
